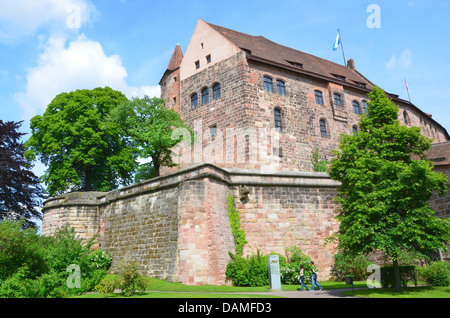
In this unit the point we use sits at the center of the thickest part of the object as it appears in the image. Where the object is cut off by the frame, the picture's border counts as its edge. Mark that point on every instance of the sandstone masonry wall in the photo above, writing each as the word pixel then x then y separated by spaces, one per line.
pixel 177 226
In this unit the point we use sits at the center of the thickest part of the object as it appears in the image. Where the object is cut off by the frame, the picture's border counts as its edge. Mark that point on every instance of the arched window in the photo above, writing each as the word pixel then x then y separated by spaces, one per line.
pixel 319 97
pixel 337 99
pixel 268 85
pixel 194 101
pixel 205 96
pixel 356 108
pixel 281 89
pixel 216 91
pixel 277 116
pixel 405 117
pixel 323 128
pixel 365 107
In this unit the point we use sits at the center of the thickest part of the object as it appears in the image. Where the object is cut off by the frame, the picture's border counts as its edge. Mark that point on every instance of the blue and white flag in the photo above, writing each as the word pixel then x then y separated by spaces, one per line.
pixel 337 42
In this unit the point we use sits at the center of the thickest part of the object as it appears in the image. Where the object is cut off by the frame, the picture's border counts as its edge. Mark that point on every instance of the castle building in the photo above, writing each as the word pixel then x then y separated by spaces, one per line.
pixel 259 110
pixel 227 79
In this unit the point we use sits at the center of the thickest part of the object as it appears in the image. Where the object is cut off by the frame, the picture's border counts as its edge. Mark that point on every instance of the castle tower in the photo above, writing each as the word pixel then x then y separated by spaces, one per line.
pixel 170 82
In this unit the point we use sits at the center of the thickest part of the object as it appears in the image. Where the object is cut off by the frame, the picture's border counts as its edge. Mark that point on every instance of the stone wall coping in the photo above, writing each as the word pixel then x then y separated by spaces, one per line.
pixel 231 177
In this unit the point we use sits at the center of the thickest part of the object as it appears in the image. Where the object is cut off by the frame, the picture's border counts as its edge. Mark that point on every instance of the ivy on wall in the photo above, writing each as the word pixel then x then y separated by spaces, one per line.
pixel 235 223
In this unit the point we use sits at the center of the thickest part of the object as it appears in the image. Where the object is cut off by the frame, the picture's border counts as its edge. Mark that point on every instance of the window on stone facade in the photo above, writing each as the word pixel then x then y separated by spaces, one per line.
pixel 356 107
pixel 194 101
pixel 268 85
pixel 355 130
pixel 323 128
pixel 278 124
pixel 319 97
pixel 205 96
pixel 365 107
pixel 281 88
pixel 213 131
pixel 405 117
pixel 337 99
pixel 197 65
pixel 208 59
pixel 216 91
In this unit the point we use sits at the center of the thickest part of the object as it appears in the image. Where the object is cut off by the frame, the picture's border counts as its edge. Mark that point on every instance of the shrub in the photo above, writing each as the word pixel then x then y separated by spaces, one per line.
pixel 407 273
pixel 290 271
pixel 17 285
pixel 36 266
pixel 437 274
pixel 20 247
pixel 130 279
pixel 248 271
pixel 107 285
pixel 350 265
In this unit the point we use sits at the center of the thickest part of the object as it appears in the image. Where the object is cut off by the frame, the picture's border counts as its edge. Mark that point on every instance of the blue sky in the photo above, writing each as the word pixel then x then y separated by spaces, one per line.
pixel 51 46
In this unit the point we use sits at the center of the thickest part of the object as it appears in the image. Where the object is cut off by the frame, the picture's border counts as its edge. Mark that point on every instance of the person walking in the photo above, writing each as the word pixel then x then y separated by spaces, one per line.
pixel 301 278
pixel 314 277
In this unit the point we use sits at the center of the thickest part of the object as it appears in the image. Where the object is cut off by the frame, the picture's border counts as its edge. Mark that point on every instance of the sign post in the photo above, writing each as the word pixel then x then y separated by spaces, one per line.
pixel 274 272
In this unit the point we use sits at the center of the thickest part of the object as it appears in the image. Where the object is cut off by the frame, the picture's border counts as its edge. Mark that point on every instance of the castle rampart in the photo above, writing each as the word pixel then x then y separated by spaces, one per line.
pixel 177 226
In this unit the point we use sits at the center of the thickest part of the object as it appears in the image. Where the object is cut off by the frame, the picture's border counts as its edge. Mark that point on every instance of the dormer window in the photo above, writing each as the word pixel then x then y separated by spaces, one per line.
pixel 339 77
pixel 295 64
pixel 362 85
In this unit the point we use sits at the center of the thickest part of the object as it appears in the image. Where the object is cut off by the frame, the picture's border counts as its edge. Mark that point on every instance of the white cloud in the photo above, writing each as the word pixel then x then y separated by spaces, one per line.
pixel 404 61
pixel 23 18
pixel 82 64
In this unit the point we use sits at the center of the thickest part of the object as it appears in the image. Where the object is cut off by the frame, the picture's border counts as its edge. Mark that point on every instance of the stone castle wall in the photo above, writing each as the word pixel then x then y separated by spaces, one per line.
pixel 177 226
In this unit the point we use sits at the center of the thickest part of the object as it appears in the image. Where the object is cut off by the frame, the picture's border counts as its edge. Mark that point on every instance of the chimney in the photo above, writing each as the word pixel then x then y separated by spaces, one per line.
pixel 351 64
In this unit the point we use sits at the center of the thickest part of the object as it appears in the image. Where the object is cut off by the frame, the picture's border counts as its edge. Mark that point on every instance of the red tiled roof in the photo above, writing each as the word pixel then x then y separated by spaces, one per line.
pixel 439 154
pixel 176 59
pixel 263 49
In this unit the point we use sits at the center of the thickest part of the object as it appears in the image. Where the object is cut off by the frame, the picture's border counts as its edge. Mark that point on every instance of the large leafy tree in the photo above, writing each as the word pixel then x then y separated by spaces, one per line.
pixel 149 125
pixel 384 192
pixel 81 151
pixel 20 189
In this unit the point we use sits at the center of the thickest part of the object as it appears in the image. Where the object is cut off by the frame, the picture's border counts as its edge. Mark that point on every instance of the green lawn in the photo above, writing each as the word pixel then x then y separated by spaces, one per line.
pixel 157 288
pixel 163 289
pixel 410 292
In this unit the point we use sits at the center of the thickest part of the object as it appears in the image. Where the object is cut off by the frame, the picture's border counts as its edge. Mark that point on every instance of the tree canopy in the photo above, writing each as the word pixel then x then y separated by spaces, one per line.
pixel 20 189
pixel 384 192
pixel 81 151
pixel 148 125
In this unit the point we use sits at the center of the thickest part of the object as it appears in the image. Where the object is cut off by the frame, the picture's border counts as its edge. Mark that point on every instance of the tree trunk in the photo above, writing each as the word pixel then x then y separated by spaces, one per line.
pixel 397 280
pixel 156 165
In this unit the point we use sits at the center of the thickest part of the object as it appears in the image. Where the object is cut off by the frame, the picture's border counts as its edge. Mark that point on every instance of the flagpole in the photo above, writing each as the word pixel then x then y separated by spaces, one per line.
pixel 407 90
pixel 342 47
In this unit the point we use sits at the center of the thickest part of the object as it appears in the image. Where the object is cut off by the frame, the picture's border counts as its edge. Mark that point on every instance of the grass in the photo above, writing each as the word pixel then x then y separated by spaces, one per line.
pixel 157 288
pixel 410 292
pixel 163 289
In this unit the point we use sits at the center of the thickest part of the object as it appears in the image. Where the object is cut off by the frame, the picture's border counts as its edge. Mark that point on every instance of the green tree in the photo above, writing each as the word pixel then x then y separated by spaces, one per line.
pixel 81 152
pixel 148 125
pixel 384 192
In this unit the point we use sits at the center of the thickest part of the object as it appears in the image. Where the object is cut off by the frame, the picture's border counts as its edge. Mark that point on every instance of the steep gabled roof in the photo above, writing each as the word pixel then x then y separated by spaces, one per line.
pixel 175 61
pixel 260 48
